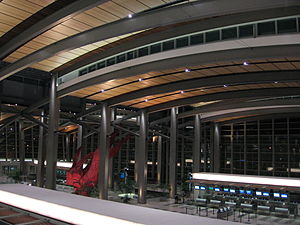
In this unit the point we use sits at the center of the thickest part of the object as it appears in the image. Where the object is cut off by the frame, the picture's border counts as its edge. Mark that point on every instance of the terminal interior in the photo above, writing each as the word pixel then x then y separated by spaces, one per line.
pixel 186 111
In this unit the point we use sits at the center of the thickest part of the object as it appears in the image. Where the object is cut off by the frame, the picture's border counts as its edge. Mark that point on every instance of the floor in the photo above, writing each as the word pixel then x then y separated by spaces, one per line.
pixel 169 205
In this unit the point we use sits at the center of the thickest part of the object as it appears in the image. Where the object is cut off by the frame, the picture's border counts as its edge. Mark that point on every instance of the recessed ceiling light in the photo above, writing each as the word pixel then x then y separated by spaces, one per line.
pixel 225 85
pixel 102 90
pixel 146 100
pixel 245 63
pixel 129 15
pixel 140 79
pixel 275 82
pixel 187 70
pixel 181 92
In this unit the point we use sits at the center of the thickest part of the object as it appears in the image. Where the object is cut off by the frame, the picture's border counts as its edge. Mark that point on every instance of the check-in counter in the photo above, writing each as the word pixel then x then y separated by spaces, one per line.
pixel 282 212
pixel 264 210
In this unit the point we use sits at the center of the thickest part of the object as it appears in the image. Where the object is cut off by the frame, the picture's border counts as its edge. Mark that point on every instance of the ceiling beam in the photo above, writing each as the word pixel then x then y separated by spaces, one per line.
pixel 157 18
pixel 58 17
pixel 257 93
pixel 229 80
pixel 240 103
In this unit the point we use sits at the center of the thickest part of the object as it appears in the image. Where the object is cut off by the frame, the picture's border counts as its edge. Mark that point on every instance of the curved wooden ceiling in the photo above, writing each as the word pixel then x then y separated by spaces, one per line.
pixel 115 88
pixel 13 12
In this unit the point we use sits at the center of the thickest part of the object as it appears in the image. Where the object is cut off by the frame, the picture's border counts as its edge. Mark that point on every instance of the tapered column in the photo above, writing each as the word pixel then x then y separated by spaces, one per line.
pixel 41 155
pixel 142 158
pixel 104 145
pixel 68 148
pixel 216 149
pixel 136 152
pixel 79 136
pixel 159 159
pixel 197 145
pixel 22 148
pixel 110 164
pixel 52 142
pixel 172 155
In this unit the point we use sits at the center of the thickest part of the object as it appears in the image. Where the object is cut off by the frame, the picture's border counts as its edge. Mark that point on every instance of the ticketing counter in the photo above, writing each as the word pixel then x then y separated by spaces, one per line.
pixel 249 194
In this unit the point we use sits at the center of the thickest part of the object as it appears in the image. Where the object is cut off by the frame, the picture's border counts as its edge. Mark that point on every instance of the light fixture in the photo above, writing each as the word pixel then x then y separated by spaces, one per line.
pixel 225 85
pixel 102 90
pixel 181 92
pixel 187 70
pixel 245 63
pixel 146 100
pixel 129 15
pixel 140 79
pixel 275 82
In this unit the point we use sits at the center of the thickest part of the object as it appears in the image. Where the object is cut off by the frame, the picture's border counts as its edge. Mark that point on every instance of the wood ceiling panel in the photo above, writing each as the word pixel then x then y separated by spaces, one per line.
pixel 43 3
pixel 42 67
pixel 23 5
pixel 268 66
pixel 236 69
pixel 151 3
pixel 101 14
pixel 89 20
pixel 285 66
pixel 115 9
pixel 65 30
pixel 132 5
pixel 77 25
pixel 13 12
pixel 9 20
pixel 296 65
pixel 252 68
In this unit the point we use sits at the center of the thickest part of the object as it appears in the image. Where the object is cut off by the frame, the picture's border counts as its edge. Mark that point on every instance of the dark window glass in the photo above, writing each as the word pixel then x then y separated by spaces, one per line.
pixel 212 36
pixel 101 65
pixel 196 39
pixel 121 58
pixel 92 68
pixel 286 26
pixel 111 61
pixel 155 48
pixel 143 51
pixel 229 33
pixel 168 45
pixel 246 31
pixel 182 42
pixel 131 55
pixel 83 71
pixel 266 28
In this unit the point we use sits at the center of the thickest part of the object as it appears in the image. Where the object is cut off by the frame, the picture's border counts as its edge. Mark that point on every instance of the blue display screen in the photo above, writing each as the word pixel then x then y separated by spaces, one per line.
pixel 258 193
pixel 122 175
pixel 202 188
pixel 276 195
pixel 266 194
pixel 242 191
pixel 248 192
pixel 284 195
pixel 217 189
pixel 226 189
pixel 232 191
pixel 197 187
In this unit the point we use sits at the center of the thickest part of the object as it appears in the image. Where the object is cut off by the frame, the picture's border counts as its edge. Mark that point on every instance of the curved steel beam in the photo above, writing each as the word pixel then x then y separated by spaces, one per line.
pixel 177 62
pixel 175 31
pixel 47 23
pixel 249 112
pixel 161 17
pixel 220 80
pixel 229 104
pixel 258 93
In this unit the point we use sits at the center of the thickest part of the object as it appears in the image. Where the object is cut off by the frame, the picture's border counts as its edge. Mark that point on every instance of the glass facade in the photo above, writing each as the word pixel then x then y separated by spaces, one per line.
pixel 269 147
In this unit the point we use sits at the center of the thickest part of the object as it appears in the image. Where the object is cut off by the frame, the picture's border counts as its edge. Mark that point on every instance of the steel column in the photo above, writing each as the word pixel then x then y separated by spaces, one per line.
pixel 41 155
pixel 104 145
pixel 216 149
pixel 142 157
pixel 197 144
pixel 22 148
pixel 52 142
pixel 173 149
pixel 159 159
